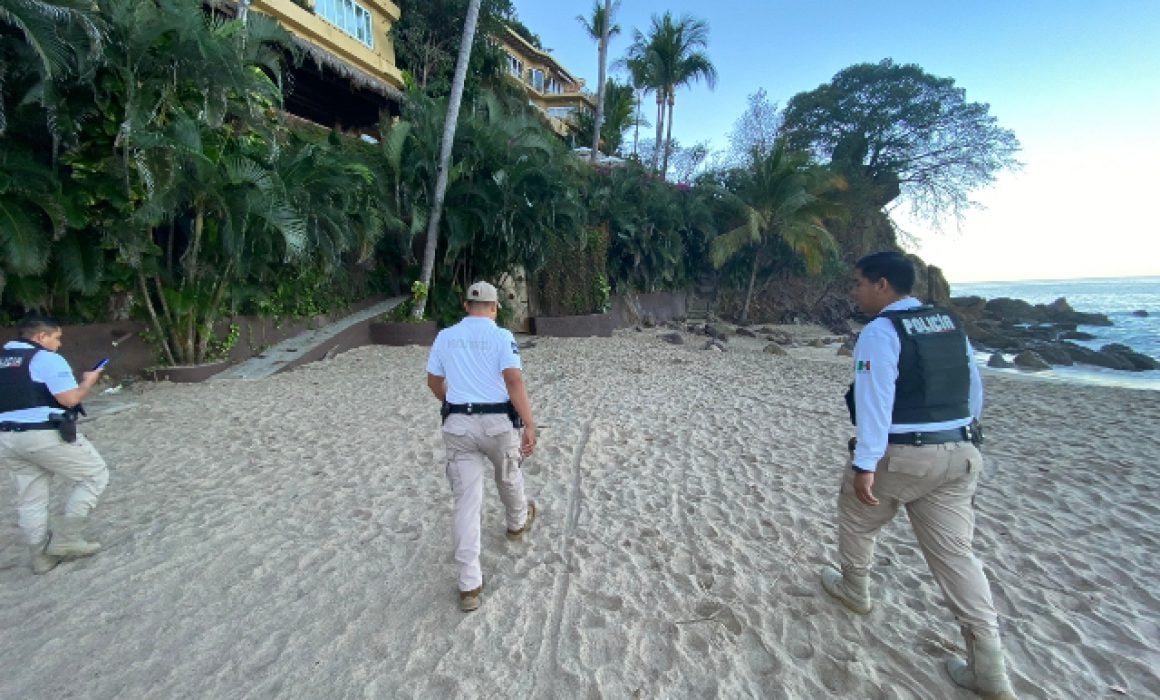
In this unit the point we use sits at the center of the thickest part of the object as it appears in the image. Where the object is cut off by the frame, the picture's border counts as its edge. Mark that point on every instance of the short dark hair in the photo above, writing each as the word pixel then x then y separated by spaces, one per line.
pixel 894 266
pixel 34 323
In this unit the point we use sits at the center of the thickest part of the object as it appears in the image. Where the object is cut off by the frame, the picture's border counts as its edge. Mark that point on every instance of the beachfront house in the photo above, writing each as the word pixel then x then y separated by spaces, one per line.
pixel 549 86
pixel 349 76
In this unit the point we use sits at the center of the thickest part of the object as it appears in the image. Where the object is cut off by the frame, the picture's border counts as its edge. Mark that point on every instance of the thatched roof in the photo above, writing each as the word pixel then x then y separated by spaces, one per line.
pixel 358 78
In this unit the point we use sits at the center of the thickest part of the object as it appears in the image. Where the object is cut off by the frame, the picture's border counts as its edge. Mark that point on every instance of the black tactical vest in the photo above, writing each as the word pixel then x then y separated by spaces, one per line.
pixel 934 379
pixel 17 390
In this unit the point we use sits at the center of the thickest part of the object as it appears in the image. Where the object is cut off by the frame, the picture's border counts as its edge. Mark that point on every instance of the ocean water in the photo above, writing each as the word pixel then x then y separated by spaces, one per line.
pixel 1117 298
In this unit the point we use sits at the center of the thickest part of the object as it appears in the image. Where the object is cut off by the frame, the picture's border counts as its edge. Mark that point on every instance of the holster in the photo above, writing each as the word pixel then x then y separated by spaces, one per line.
pixel 517 422
pixel 444 411
pixel 977 438
pixel 66 423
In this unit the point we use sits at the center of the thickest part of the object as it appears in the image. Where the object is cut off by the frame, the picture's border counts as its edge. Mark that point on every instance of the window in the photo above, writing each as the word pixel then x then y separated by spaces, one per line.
pixel 563 113
pixel 350 17
pixel 516 66
pixel 537 79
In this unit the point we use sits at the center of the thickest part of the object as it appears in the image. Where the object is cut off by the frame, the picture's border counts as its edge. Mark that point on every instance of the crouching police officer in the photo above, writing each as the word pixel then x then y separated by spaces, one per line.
pixel 474 369
pixel 915 397
pixel 38 439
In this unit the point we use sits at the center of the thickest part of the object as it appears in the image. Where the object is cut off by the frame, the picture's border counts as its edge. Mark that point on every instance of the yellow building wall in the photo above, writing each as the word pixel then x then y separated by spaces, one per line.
pixel 533 58
pixel 378 62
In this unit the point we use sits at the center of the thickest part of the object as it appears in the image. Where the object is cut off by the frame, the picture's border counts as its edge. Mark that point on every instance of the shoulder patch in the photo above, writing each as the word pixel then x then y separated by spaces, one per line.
pixel 862 366
pixel 515 348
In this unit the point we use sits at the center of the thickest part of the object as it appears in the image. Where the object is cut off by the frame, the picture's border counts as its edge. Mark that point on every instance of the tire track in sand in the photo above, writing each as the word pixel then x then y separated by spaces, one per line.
pixel 544 681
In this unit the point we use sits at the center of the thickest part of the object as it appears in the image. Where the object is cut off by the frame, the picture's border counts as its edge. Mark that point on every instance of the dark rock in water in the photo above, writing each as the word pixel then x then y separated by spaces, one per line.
pixel 997 360
pixel 845 351
pixel 1139 361
pixel 774 349
pixel 1054 353
pixel 1140 313
pixel 714 344
pixel 1082 318
pixel 1088 356
pixel 673 338
pixel 1076 335
pixel 742 331
pixel 969 307
pixel 1013 310
pixel 1029 359
pixel 1059 306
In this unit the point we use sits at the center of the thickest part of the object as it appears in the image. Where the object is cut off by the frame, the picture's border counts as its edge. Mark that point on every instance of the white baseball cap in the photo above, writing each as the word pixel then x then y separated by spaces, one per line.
pixel 482 291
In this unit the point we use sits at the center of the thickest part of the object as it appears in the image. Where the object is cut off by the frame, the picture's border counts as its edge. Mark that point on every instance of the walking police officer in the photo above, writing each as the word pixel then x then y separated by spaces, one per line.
pixel 474 369
pixel 37 392
pixel 915 397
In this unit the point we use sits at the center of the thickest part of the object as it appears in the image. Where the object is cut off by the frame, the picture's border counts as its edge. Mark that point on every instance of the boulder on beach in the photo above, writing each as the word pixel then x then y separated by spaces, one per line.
pixel 997 360
pixel 1030 360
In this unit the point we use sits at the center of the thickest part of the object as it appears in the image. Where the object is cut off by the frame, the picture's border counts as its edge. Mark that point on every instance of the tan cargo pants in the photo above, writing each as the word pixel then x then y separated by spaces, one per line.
pixel 469 441
pixel 937 485
pixel 35 457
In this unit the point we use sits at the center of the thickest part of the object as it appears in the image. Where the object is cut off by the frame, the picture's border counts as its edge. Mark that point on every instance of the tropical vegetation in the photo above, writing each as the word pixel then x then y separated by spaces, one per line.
pixel 149 169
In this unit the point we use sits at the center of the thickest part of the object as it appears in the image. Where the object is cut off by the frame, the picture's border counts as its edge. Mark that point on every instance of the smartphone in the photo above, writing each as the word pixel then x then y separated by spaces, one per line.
pixel 100 365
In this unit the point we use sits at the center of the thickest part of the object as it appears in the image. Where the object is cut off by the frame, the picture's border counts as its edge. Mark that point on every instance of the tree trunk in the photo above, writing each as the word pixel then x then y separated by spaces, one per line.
pixel 744 317
pixel 420 303
pixel 158 328
pixel 636 126
pixel 668 137
pixel 603 65
pixel 660 128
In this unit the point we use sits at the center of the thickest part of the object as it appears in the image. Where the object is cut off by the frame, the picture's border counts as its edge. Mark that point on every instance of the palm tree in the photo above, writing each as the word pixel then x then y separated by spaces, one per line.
pixel 600 28
pixel 61 35
pixel 619 115
pixel 419 297
pixel 668 57
pixel 785 198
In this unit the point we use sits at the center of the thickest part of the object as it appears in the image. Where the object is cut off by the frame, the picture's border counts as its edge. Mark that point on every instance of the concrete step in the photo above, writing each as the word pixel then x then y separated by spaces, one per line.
pixel 278 356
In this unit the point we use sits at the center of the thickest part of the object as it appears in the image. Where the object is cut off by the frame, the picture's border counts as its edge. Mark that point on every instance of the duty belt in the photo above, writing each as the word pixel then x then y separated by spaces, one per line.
pixel 479 408
pixel 935 437
pixel 22 427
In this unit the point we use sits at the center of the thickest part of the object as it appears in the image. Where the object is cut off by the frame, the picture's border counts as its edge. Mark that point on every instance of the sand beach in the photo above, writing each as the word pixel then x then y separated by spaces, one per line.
pixel 289 537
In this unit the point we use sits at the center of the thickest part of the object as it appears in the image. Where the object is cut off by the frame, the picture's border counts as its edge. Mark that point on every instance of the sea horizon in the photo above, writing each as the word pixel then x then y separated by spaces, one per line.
pixel 1046 280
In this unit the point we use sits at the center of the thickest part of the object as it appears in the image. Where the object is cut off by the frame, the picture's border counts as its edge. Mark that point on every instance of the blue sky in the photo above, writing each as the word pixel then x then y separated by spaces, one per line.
pixel 1078 82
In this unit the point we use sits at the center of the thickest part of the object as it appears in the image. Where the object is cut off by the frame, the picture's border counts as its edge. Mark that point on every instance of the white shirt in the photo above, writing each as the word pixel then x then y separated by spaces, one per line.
pixel 472 356
pixel 875 373
pixel 48 368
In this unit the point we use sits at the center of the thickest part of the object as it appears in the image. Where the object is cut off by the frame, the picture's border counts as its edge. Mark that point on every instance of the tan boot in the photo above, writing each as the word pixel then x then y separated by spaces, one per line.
pixel 67 540
pixel 41 563
pixel 470 600
pixel 851 590
pixel 516 535
pixel 983 671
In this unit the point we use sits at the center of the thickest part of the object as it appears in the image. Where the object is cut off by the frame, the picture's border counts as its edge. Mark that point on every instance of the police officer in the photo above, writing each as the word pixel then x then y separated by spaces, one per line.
pixel 37 387
pixel 474 369
pixel 916 395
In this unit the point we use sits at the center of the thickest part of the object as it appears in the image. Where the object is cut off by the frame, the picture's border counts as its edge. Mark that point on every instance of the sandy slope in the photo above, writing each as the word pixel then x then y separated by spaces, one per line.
pixel 289 537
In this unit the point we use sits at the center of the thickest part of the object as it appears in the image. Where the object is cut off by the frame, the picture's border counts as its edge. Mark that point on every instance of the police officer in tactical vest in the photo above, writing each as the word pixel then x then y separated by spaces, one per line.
pixel 915 402
pixel 474 369
pixel 39 398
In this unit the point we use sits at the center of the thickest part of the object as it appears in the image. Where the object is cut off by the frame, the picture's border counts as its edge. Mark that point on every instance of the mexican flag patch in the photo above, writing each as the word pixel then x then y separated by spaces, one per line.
pixel 863 366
